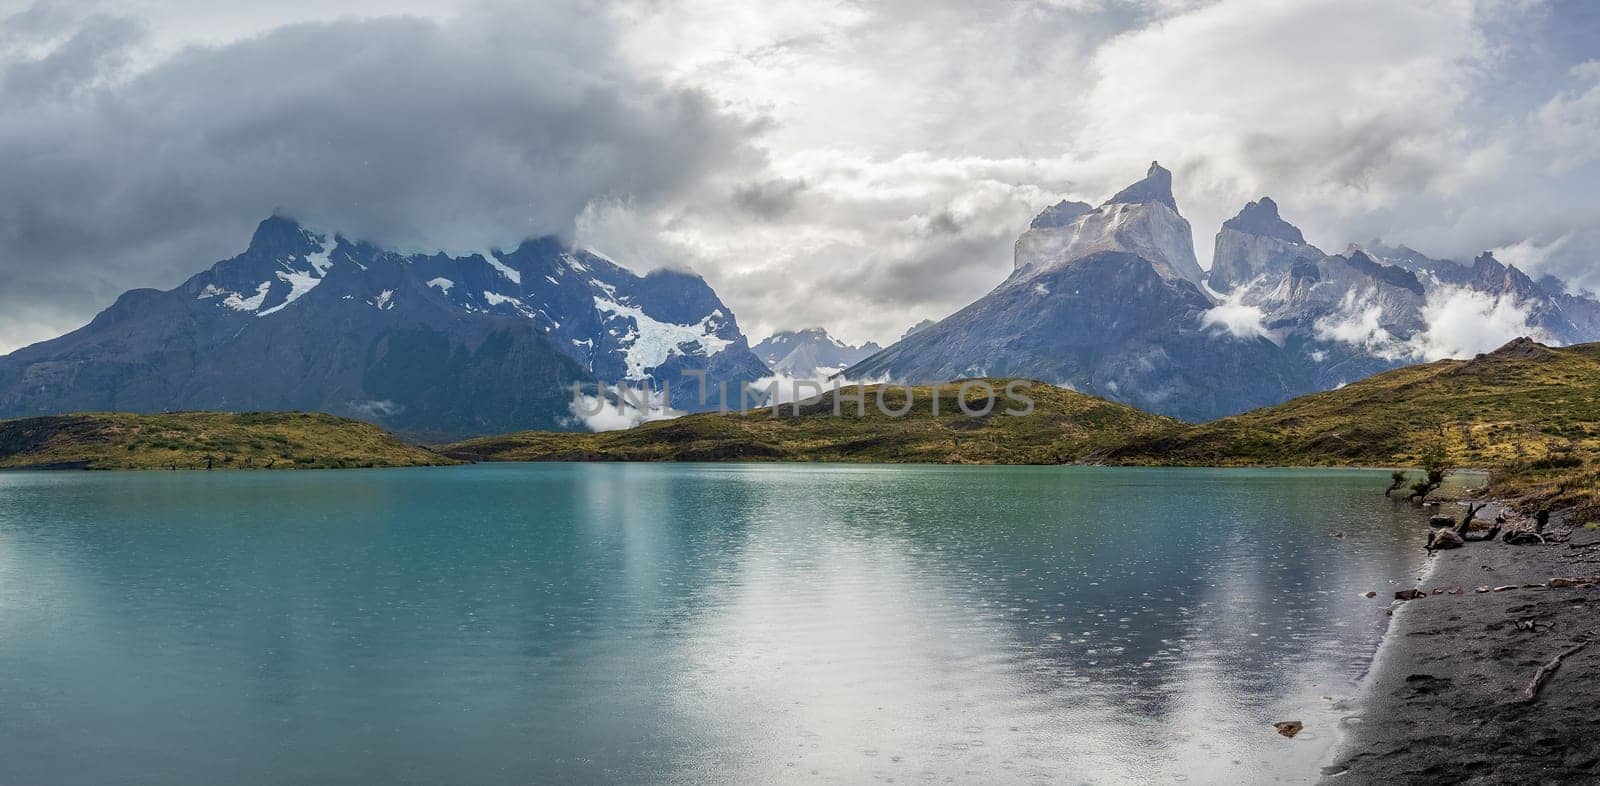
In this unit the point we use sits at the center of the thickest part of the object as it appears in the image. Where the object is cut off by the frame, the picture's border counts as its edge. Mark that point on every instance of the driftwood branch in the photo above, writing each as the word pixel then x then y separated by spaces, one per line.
pixel 1542 676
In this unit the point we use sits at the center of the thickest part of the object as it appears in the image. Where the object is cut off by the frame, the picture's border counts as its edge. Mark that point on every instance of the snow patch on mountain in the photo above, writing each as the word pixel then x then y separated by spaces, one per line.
pixel 239 303
pixel 505 270
pixel 649 341
pixel 321 261
pixel 299 284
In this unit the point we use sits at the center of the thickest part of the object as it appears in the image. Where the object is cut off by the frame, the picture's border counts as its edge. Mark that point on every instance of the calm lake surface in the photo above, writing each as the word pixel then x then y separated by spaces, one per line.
pixel 741 624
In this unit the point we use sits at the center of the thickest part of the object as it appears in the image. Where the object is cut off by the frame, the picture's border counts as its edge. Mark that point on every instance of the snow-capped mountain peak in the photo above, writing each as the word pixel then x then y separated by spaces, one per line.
pixel 1104 301
pixel 810 353
pixel 341 324
pixel 1141 219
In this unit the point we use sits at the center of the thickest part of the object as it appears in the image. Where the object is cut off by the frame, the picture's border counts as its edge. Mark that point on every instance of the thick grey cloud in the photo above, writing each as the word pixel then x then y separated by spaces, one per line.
pixel 456 134
pixel 769 198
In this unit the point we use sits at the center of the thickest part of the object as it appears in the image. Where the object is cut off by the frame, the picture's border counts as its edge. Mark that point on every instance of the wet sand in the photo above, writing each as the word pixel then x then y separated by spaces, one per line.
pixel 1444 702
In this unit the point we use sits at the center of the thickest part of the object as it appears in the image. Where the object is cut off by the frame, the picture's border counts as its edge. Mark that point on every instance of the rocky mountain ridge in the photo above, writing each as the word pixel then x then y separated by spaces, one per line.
pixel 1110 301
pixel 425 344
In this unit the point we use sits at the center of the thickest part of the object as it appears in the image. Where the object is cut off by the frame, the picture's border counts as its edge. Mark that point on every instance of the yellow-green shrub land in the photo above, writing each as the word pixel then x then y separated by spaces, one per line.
pixel 1064 426
pixel 187 440
pixel 1528 412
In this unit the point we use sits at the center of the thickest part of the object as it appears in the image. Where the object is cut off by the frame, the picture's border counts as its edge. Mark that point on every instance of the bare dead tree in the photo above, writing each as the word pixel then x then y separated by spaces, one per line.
pixel 1466 524
pixel 1397 480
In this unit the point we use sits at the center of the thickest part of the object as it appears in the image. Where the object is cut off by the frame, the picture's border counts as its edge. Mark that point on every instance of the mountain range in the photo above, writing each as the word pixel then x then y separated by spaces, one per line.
pixel 429 345
pixel 1107 300
pixel 1111 301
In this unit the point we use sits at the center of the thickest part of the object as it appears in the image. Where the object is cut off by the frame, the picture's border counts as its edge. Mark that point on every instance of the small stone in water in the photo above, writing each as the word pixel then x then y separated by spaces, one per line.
pixel 1288 728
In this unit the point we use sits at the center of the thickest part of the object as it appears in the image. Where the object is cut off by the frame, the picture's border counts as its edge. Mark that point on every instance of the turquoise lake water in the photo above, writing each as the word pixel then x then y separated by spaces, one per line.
pixel 740 624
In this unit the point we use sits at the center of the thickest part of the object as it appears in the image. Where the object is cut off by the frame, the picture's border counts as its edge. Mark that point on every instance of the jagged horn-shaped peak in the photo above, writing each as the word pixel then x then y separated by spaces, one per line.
pixel 1261 218
pixel 1060 214
pixel 1155 187
pixel 1485 266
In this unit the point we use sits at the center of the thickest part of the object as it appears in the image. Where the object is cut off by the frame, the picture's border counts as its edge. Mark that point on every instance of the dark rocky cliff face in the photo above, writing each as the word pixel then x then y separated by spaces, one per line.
pixel 1108 325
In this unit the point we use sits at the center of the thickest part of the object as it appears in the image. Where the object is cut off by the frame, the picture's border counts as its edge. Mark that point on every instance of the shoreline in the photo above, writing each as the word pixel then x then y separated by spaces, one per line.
pixel 86 465
pixel 1345 734
pixel 1443 699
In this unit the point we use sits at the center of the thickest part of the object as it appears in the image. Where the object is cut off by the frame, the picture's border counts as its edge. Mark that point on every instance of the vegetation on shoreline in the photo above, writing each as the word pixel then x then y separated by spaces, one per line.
pixel 201 440
pixel 1064 427
pixel 1528 412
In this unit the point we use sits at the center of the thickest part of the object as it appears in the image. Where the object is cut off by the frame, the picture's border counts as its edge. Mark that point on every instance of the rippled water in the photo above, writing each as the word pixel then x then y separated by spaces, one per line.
pixel 689 623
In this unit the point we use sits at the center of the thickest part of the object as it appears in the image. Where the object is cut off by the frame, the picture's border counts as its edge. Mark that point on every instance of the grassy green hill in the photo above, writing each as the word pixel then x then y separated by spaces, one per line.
pixel 1527 411
pixel 185 440
pixel 1064 427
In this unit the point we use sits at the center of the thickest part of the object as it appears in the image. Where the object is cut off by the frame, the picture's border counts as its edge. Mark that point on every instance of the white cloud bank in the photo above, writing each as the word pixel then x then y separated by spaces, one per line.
pixel 621 408
pixel 1460 323
pixel 1463 322
pixel 1234 317
pixel 1360 323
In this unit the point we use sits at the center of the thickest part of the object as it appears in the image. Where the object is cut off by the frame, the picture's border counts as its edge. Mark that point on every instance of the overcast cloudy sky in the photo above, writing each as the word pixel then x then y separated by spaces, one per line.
pixel 856 165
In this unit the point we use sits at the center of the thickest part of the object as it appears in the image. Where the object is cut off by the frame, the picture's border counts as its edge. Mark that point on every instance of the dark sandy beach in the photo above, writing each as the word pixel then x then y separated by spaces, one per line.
pixel 1444 701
